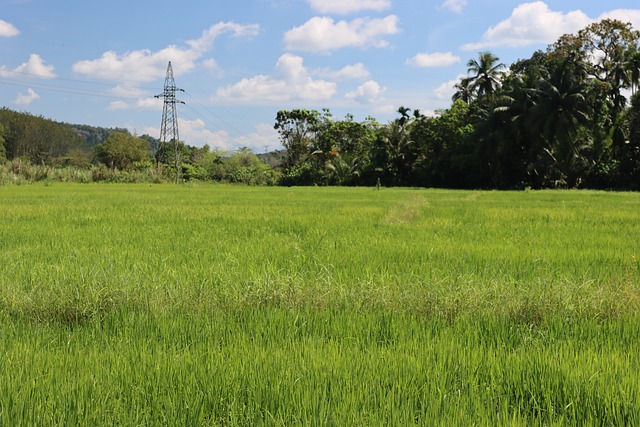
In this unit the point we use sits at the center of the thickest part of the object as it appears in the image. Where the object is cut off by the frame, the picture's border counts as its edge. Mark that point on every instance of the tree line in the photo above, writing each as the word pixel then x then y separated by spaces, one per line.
pixel 117 155
pixel 561 118
pixel 567 117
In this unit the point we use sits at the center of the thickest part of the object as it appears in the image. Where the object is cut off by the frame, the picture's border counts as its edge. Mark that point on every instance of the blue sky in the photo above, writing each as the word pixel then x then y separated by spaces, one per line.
pixel 239 62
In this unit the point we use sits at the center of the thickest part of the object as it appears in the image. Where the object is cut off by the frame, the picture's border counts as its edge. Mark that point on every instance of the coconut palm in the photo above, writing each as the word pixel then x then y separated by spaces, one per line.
pixel 632 66
pixel 485 74
pixel 463 91
pixel 560 109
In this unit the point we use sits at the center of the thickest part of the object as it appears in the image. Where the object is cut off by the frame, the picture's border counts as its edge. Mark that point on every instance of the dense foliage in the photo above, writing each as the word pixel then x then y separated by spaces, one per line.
pixel 558 119
pixel 33 148
pixel 39 140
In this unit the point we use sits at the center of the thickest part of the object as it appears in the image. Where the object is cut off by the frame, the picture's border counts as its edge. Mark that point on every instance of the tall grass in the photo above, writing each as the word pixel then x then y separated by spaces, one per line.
pixel 21 172
pixel 219 305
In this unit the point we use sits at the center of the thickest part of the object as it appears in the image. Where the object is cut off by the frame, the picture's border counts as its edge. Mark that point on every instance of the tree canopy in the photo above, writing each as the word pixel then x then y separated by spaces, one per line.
pixel 560 118
pixel 568 116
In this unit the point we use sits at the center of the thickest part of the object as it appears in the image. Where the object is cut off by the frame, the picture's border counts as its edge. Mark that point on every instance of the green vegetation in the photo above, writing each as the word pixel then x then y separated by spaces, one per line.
pixel 559 119
pixel 236 305
pixel 35 149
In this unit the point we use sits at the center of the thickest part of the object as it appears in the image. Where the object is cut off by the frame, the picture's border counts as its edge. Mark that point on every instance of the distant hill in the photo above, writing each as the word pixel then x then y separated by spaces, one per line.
pixel 45 141
pixel 93 135
pixel 272 158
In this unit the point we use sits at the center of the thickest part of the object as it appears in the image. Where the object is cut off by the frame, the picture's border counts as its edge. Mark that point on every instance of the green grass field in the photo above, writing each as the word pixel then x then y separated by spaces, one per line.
pixel 225 305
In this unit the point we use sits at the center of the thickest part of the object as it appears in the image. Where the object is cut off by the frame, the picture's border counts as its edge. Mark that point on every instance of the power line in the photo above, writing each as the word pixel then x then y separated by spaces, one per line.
pixel 216 117
pixel 212 120
pixel 87 82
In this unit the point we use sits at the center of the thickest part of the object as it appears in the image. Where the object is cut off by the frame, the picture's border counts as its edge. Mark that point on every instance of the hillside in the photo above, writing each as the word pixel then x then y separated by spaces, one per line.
pixel 45 141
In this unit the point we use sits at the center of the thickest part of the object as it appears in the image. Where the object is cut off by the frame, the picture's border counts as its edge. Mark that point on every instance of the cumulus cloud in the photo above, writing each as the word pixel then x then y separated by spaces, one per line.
pixel 531 23
pixel 198 134
pixel 7 29
pixel 292 81
pixel 447 89
pixel 386 109
pixel 34 67
pixel 24 99
pixel 206 41
pixel 367 93
pixel 145 103
pixel 323 34
pixel 128 91
pixel 264 138
pixel 348 6
pixel 436 59
pixel 355 71
pixel 454 5
pixel 144 65
pixel 624 15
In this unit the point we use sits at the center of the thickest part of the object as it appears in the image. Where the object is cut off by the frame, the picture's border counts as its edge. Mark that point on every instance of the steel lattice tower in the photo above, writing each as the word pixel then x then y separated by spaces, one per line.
pixel 169 125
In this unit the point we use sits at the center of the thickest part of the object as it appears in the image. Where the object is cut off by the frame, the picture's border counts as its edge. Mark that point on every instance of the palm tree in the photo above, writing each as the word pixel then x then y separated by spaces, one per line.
pixel 463 91
pixel 560 109
pixel 632 65
pixel 508 144
pixel 485 74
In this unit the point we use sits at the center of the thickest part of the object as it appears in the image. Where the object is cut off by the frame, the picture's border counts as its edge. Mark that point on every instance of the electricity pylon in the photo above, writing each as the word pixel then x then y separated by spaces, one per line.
pixel 169 125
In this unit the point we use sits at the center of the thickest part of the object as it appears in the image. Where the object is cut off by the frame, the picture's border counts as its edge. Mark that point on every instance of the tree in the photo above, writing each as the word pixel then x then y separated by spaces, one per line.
pixel 121 150
pixel 344 147
pixel 36 138
pixel 297 129
pixel 606 48
pixel 485 74
pixel 506 144
pixel 629 165
pixel 463 91
pixel 3 150
pixel 632 67
pixel 560 110
pixel 445 150
pixel 394 152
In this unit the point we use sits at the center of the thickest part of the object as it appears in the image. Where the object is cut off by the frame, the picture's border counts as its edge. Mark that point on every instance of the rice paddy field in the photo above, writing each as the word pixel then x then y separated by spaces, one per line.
pixel 224 305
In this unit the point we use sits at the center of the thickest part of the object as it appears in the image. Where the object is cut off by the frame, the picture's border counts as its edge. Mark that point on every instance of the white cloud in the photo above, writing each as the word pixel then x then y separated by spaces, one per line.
pixel 624 15
pixel 323 34
pixel 128 91
pixel 205 42
pixel 34 67
pixel 436 59
pixel 265 138
pixel 454 5
pixel 348 6
pixel 138 66
pixel 24 99
pixel 7 29
pixel 367 93
pixel 139 104
pixel 355 71
pixel 447 89
pixel 531 23
pixel 143 65
pixel 292 81
pixel 387 109
pixel 119 105
pixel 196 133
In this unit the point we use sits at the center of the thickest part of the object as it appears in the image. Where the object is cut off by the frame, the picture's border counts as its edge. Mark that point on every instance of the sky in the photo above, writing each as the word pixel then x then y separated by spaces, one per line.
pixel 239 62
